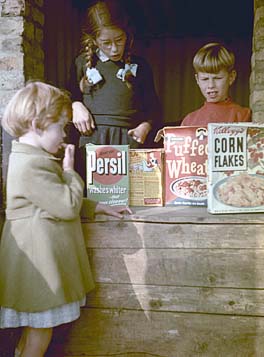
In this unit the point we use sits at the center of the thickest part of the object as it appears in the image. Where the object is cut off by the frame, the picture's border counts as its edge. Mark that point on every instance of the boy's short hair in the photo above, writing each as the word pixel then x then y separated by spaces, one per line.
pixel 213 58
pixel 37 101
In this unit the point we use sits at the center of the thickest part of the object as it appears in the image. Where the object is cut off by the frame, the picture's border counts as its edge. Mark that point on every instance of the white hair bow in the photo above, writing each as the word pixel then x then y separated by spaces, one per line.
pixel 121 74
pixel 93 75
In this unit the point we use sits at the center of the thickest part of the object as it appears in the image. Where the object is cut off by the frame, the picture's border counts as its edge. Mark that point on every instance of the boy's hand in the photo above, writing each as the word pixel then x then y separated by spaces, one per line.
pixel 68 160
pixel 140 133
pixel 115 211
pixel 82 119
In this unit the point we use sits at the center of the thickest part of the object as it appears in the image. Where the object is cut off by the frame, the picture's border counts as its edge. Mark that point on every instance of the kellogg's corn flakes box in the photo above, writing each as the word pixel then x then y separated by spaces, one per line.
pixel 107 174
pixel 185 165
pixel 146 177
pixel 236 168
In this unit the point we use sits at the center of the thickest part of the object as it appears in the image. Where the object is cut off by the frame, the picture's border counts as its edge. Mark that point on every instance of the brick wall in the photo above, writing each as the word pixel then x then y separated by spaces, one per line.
pixel 257 64
pixel 21 53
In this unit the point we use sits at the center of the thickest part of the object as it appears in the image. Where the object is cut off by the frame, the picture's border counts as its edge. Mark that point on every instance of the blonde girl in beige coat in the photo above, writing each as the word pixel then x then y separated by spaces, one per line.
pixel 42 230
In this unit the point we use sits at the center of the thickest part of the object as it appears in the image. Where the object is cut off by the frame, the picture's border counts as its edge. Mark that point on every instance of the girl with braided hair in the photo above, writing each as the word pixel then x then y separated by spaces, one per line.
pixel 115 101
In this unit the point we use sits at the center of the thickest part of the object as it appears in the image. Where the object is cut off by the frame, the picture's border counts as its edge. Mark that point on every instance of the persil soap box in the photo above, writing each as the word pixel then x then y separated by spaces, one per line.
pixel 107 174
pixel 236 168
pixel 185 165
pixel 146 177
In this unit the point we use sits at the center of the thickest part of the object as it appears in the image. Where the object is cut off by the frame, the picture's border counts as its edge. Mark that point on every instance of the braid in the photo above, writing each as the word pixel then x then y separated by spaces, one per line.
pixel 88 49
pixel 127 59
pixel 106 14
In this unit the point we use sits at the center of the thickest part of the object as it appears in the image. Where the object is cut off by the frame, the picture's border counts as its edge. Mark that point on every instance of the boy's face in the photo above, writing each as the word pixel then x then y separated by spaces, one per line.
pixel 215 86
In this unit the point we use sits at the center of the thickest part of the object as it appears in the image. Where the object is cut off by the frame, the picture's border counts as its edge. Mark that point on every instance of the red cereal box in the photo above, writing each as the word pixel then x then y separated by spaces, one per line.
pixel 185 165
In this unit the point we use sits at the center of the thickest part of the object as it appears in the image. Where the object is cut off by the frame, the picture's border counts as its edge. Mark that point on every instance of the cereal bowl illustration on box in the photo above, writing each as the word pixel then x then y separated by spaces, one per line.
pixel 236 168
pixel 193 187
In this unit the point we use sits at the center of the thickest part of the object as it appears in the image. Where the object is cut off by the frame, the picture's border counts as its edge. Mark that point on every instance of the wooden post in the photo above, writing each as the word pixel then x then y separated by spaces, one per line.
pixel 257 64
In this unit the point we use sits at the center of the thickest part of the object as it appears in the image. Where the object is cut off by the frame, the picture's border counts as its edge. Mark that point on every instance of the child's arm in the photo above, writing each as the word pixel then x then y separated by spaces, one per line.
pixel 115 211
pixel 57 191
pixel 151 110
pixel 90 208
pixel 82 118
pixel 140 133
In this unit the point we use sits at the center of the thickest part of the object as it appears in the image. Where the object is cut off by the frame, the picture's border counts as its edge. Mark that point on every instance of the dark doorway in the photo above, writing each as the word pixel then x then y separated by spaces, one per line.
pixel 168 33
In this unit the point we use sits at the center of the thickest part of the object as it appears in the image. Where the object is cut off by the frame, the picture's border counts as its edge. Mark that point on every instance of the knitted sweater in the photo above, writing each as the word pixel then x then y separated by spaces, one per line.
pixel 221 112
pixel 111 101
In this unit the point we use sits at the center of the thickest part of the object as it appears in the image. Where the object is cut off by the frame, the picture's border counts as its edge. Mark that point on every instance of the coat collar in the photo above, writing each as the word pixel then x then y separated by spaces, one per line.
pixel 18 147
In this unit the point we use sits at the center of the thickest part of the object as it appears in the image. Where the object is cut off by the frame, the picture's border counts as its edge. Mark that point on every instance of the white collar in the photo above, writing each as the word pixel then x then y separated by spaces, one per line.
pixel 101 55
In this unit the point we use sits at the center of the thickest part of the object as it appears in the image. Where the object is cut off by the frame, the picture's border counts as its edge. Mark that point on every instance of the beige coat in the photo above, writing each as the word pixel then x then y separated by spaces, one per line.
pixel 43 259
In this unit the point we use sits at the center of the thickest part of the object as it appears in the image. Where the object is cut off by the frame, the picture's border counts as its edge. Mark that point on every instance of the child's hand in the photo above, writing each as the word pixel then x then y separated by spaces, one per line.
pixel 84 83
pixel 140 133
pixel 82 119
pixel 115 211
pixel 68 160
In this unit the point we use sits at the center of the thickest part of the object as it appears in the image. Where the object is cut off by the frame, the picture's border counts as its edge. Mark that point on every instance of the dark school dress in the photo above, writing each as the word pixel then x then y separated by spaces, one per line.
pixel 117 107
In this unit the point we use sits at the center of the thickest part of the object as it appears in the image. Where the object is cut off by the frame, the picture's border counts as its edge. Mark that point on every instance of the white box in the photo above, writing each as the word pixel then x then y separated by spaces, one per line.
pixel 235 168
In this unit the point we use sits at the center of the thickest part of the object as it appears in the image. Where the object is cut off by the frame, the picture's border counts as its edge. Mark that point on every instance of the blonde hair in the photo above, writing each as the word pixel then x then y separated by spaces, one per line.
pixel 213 58
pixel 105 14
pixel 36 101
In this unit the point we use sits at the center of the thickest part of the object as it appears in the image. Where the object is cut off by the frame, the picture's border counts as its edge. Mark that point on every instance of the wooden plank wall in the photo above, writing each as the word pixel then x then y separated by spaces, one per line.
pixel 170 282
pixel 192 288
pixel 61 39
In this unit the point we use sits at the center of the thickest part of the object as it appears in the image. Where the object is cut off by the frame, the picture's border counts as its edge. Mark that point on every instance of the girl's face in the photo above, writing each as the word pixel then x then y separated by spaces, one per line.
pixel 215 86
pixel 52 138
pixel 112 42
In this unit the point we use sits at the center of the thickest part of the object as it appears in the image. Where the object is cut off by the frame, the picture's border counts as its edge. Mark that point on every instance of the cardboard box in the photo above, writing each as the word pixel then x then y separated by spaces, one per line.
pixel 185 165
pixel 107 174
pixel 236 168
pixel 146 177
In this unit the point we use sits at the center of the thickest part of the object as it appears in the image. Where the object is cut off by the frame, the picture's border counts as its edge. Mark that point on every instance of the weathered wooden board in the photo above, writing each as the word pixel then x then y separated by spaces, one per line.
pixel 101 332
pixel 120 234
pixel 181 214
pixel 230 268
pixel 171 282
pixel 177 299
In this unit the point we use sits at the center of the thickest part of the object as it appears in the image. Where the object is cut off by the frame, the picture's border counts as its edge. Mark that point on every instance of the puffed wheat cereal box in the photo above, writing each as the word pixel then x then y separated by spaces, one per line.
pixel 185 165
